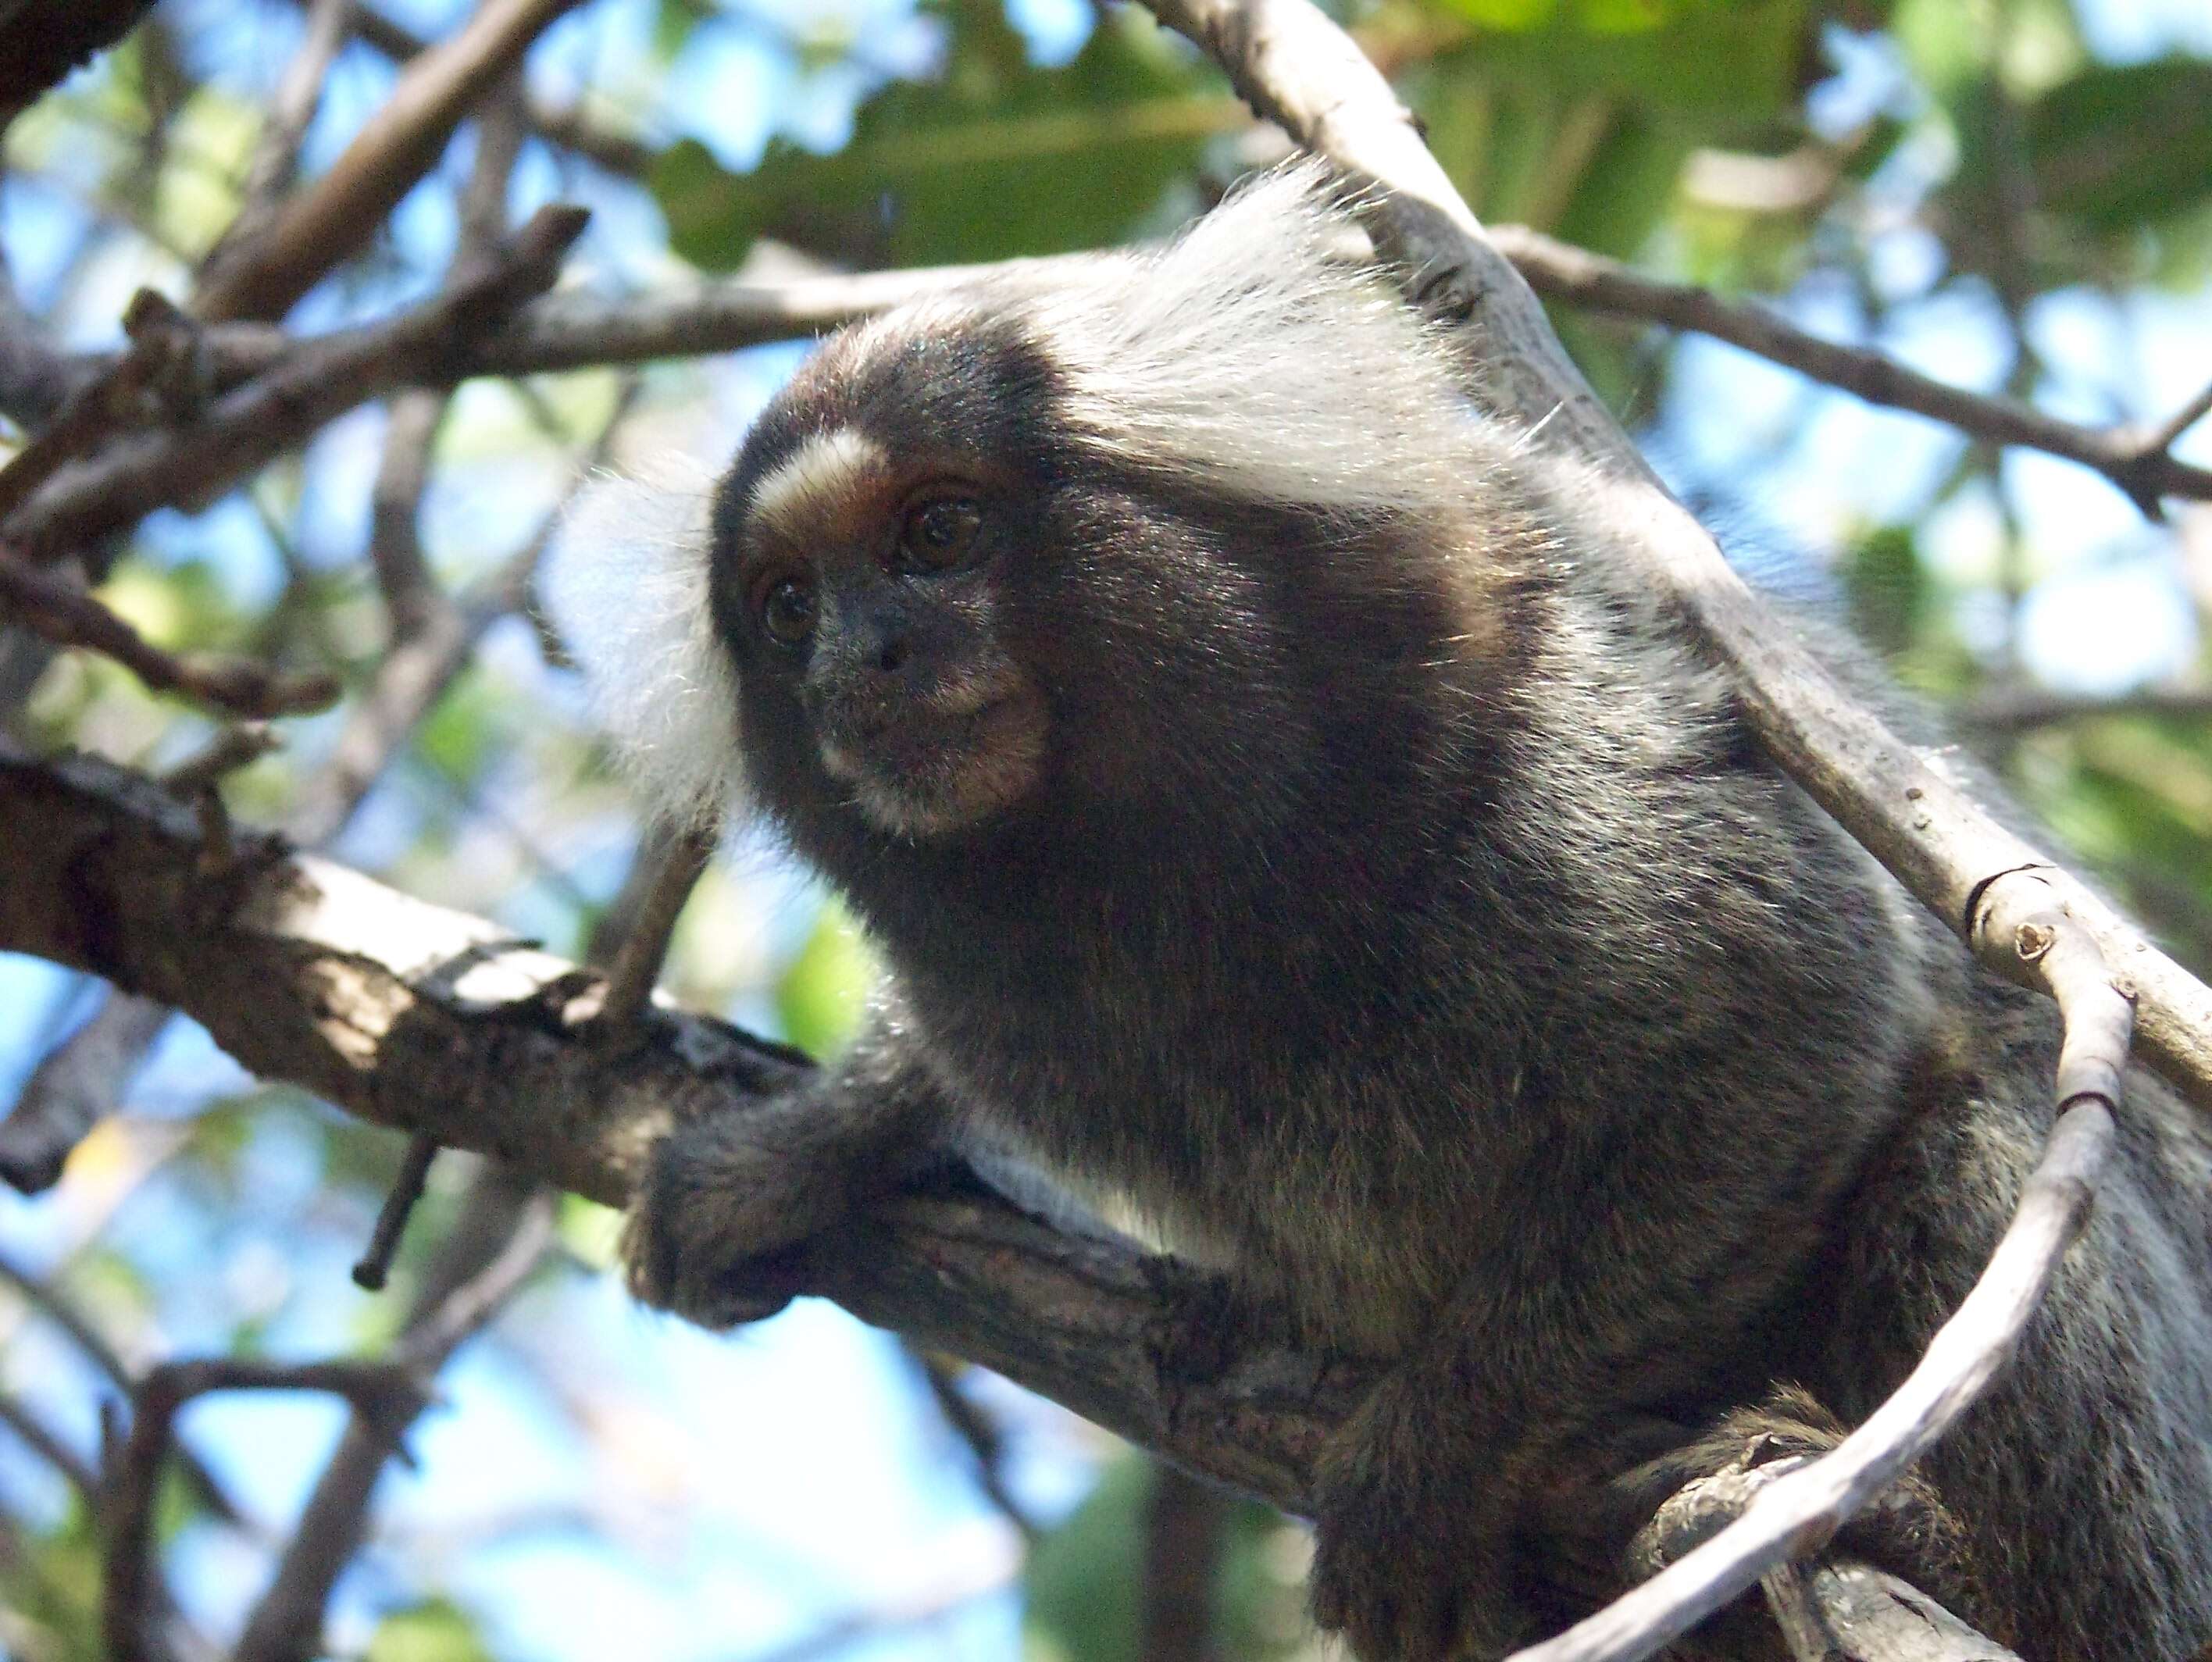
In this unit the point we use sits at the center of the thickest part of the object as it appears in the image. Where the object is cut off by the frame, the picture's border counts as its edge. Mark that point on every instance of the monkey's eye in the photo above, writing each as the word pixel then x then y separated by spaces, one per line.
pixel 938 534
pixel 787 611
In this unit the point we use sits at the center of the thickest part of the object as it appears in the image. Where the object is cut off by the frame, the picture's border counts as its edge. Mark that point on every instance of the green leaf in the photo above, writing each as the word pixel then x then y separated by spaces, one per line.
pixel 994 158
pixel 1946 44
pixel 1738 58
pixel 436 1630
pixel 2119 146
pixel 819 996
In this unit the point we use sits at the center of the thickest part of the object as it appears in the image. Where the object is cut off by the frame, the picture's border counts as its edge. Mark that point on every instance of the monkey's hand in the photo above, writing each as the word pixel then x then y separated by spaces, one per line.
pixel 1414 1557
pixel 717 1225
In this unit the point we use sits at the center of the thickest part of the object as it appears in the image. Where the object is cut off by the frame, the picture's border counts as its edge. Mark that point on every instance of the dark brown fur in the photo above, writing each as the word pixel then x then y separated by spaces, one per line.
pixel 1402 920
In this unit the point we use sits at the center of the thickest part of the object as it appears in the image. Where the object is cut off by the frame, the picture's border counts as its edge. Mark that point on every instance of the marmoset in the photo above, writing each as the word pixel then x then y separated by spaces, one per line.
pixel 1277 804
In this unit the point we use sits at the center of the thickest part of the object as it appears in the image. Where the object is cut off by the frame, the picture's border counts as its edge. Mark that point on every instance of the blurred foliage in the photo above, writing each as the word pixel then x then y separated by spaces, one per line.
pixel 1086 1581
pixel 990 158
pixel 1991 187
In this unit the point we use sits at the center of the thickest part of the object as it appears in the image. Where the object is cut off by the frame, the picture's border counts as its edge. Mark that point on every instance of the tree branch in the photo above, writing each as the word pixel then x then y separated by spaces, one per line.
pixel 313 231
pixel 247 427
pixel 434 1022
pixel 56 609
pixel 2141 464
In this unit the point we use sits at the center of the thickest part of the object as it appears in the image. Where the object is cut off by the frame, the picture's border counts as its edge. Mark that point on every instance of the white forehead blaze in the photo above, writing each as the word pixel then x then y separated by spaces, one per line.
pixel 815 478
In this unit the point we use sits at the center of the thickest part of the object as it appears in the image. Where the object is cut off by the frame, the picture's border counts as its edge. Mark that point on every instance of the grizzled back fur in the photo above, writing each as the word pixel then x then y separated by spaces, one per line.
pixel 1396 910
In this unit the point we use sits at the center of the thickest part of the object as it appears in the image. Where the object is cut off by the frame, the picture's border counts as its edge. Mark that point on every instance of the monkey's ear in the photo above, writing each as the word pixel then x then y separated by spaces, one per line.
pixel 625 583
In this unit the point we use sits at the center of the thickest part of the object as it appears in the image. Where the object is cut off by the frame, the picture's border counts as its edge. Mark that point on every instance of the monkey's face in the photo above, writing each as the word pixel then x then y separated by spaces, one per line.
pixel 862 548
pixel 947 613
pixel 864 586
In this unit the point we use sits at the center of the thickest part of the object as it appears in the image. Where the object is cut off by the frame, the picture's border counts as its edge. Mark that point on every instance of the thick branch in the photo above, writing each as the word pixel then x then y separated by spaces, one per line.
pixel 429 1021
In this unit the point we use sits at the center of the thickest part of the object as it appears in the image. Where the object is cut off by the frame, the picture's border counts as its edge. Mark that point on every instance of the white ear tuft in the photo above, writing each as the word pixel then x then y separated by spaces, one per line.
pixel 625 583
pixel 1265 349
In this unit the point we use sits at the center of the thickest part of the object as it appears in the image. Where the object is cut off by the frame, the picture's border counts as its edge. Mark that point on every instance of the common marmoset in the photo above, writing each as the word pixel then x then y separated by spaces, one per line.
pixel 1276 803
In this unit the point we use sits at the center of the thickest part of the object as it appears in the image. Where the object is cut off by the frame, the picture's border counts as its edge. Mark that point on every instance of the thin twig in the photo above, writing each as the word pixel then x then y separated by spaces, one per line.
pixel 976 1430
pixel 56 610
pixel 391 1218
pixel 291 109
pixel 277 410
pixel 2141 465
pixel 2028 919
pixel 673 861
pixel 2163 437
pixel 41 1441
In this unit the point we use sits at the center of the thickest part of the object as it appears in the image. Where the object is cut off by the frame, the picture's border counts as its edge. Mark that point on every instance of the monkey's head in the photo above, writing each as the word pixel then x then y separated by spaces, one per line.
pixel 1073 546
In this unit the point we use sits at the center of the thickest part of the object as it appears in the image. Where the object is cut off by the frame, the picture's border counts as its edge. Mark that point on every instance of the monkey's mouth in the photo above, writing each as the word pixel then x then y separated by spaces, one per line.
pixel 927 769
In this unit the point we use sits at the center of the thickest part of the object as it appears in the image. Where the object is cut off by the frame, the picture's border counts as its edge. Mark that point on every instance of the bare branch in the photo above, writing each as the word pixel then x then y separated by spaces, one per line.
pixel 56 610
pixel 41 1441
pixel 2163 437
pixel 276 411
pixel 2139 464
pixel 672 862
pixel 2017 708
pixel 395 541
pixel 73 1089
pixel 976 1433
pixel 315 230
pixel 292 107
pixel 392 1220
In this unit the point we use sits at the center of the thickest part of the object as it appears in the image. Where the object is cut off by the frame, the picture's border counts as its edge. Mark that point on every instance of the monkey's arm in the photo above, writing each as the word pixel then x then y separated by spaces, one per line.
pixel 727 1202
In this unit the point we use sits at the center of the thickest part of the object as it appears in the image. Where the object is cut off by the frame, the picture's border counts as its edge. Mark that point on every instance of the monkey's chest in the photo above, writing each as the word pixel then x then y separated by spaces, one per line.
pixel 1318 1178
